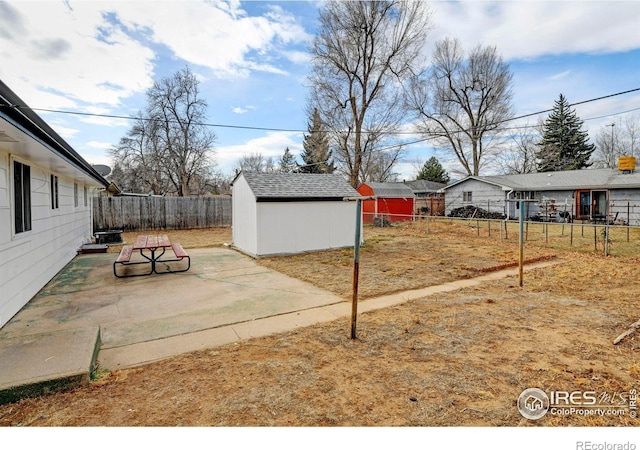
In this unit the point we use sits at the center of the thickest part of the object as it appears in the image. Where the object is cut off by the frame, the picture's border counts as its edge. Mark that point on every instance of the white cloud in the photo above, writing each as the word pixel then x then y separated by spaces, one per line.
pixel 110 122
pixel 297 56
pixel 528 29
pixel 242 110
pixel 64 131
pixel 272 145
pixel 560 75
pixel 64 55
pixel 99 145
pixel 217 35
pixel 67 55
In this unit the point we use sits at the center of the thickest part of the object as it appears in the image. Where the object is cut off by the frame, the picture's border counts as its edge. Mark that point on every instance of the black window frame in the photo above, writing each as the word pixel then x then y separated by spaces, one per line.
pixel 21 197
pixel 55 192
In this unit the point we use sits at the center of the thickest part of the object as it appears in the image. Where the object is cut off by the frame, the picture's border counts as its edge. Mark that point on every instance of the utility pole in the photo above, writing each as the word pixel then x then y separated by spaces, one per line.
pixel 612 153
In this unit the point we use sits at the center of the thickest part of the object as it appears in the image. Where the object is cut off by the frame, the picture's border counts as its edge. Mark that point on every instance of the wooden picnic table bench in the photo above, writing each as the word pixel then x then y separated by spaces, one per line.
pixel 124 259
pixel 180 254
pixel 151 243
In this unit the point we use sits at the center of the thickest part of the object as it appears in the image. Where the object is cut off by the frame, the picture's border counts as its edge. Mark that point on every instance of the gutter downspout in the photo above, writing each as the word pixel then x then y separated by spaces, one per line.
pixel 508 215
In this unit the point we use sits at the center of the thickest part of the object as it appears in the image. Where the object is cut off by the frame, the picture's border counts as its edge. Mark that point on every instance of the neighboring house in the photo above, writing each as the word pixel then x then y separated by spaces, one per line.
pixel 45 203
pixel 429 197
pixel 581 194
pixel 393 201
pixel 288 213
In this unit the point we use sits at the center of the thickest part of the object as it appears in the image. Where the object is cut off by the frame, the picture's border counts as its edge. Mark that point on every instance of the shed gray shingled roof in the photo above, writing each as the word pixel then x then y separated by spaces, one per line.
pixel 298 186
pixel 391 190
pixel 565 180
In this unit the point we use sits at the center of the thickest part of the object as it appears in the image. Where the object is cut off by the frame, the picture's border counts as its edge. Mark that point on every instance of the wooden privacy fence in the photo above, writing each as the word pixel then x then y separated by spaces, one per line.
pixel 160 213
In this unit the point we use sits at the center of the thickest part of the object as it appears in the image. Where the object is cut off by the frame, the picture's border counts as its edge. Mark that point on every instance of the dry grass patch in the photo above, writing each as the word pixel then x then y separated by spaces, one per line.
pixel 403 257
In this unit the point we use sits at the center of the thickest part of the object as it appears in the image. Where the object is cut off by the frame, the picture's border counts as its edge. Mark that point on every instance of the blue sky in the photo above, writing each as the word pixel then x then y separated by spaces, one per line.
pixel 100 57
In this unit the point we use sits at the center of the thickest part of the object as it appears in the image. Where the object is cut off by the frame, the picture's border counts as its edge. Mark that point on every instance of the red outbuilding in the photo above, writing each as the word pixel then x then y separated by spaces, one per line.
pixel 393 202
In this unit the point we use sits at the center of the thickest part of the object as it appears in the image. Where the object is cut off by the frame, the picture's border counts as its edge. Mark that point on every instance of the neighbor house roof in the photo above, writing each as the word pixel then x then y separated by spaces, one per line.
pixel 24 121
pixel 562 180
pixel 391 190
pixel 298 186
pixel 422 186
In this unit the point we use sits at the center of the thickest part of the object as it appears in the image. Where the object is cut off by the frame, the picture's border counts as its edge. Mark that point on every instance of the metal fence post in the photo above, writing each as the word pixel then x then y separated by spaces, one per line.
pixel 356 270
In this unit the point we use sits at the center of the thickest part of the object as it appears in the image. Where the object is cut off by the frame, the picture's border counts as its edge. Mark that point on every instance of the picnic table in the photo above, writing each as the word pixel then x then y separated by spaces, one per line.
pixel 151 248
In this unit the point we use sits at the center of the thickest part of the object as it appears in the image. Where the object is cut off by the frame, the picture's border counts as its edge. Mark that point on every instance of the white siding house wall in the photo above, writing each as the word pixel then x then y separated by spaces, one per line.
pixel 626 202
pixel 565 187
pixel 564 200
pixel 301 226
pixel 32 258
pixel 244 217
pixel 483 195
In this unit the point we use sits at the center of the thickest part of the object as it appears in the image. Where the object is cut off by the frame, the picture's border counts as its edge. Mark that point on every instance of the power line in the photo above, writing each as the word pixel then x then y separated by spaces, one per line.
pixel 570 105
pixel 151 119
pixel 613 114
pixel 293 130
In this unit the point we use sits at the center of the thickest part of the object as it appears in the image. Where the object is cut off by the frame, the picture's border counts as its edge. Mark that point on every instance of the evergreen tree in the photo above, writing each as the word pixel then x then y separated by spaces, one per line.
pixel 288 162
pixel 316 154
pixel 564 144
pixel 432 170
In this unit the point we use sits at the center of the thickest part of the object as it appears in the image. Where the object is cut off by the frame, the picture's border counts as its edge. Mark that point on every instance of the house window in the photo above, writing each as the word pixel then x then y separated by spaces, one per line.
pixel 22 197
pixel 86 196
pixel 527 195
pixel 75 194
pixel 55 204
pixel 466 196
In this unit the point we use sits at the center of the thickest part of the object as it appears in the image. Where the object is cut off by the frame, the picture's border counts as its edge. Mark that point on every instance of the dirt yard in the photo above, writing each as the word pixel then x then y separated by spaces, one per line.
pixel 455 359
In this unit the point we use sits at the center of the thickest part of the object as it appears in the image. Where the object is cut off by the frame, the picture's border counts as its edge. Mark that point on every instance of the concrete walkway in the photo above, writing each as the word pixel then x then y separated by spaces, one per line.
pixel 86 317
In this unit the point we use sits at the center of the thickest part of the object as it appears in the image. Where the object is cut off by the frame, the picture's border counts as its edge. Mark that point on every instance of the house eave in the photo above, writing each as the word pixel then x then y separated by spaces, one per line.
pixel 49 149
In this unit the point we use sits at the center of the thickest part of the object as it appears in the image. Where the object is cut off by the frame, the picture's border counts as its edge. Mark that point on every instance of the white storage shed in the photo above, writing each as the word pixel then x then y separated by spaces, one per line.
pixel 289 213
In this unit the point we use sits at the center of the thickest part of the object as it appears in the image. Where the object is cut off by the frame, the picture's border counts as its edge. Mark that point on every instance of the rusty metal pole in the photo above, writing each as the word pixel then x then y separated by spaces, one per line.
pixel 356 270
pixel 628 220
pixel 521 246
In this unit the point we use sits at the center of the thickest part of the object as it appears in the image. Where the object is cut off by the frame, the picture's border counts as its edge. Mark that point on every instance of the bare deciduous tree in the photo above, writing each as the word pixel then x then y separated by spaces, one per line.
pixel 257 162
pixel 253 162
pixel 363 54
pixel 378 165
pixel 138 159
pixel 519 152
pixel 620 138
pixel 169 147
pixel 175 104
pixel 462 100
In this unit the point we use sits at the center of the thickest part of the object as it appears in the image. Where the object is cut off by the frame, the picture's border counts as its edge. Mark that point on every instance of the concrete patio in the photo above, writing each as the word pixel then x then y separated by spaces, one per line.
pixel 85 317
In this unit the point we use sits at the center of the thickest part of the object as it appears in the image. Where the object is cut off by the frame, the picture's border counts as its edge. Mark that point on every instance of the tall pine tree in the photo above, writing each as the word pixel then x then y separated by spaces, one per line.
pixel 316 154
pixel 288 162
pixel 564 145
pixel 432 170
